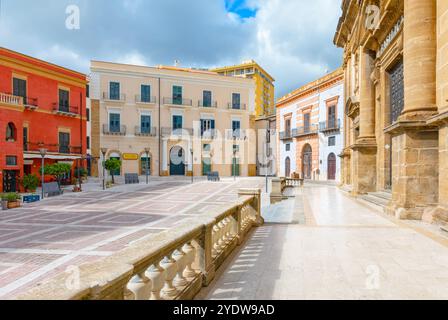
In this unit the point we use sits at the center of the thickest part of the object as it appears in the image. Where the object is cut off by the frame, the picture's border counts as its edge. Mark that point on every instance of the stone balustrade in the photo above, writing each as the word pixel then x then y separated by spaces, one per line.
pixel 293 182
pixel 280 184
pixel 10 99
pixel 171 265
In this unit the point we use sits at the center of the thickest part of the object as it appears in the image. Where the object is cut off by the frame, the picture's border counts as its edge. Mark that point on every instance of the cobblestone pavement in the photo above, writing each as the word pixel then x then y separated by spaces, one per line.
pixel 42 239
pixel 345 250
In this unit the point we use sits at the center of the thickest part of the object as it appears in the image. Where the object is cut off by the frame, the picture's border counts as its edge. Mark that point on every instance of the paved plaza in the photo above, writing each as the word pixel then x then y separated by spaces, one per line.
pixel 42 239
pixel 339 249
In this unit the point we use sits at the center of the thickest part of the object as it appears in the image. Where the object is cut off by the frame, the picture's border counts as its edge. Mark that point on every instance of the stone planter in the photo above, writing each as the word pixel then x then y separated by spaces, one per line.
pixel 4 205
pixel 13 204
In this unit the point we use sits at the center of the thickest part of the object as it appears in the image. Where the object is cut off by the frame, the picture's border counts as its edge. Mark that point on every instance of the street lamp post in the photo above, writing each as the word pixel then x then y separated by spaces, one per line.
pixel 103 152
pixel 42 152
pixel 83 158
pixel 147 164
pixel 192 165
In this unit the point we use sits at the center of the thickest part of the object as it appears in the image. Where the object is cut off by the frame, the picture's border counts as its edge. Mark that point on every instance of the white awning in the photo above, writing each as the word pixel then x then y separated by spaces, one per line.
pixel 50 156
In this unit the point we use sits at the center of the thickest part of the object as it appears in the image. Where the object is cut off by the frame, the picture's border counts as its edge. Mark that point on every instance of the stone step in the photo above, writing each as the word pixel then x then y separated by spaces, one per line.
pixel 372 198
pixel 382 194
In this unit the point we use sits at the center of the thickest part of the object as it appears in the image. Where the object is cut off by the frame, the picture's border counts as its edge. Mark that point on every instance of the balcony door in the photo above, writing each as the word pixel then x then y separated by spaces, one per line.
pixel 145 124
pixel 306 122
pixel 64 142
pixel 114 122
pixel 63 100
pixel 331 118
pixel 307 162
pixel 19 88
pixel 177 95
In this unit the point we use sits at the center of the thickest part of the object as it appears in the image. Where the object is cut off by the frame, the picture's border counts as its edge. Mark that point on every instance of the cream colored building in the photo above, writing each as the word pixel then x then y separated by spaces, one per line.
pixel 192 121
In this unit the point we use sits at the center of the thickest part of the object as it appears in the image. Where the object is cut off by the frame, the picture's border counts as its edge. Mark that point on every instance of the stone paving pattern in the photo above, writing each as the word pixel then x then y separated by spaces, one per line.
pixel 44 238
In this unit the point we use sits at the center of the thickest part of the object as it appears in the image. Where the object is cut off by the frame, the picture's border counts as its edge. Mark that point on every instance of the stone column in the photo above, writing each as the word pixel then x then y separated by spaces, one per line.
pixel 165 157
pixel 415 153
pixel 366 98
pixel 419 56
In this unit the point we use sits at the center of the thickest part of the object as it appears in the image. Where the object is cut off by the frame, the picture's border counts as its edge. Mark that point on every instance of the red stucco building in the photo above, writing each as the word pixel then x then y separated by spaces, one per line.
pixel 41 106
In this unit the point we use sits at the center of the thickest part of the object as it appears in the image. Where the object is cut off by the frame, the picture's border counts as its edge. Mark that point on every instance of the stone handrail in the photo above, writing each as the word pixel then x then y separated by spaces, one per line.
pixel 171 265
pixel 10 99
pixel 293 182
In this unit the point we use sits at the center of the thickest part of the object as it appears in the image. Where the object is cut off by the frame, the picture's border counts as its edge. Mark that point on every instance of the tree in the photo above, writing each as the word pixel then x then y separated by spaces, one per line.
pixel 30 182
pixel 58 171
pixel 112 165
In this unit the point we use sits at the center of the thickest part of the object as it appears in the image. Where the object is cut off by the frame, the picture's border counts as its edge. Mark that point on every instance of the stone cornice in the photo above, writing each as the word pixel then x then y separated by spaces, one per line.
pixel 404 125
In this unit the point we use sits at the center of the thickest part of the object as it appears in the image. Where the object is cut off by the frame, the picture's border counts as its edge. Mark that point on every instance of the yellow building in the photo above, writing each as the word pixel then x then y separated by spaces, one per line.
pixel 264 85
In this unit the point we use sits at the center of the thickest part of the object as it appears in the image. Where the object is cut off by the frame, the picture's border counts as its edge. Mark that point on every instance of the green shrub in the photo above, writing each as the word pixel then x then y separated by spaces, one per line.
pixel 58 171
pixel 30 182
pixel 10 197
pixel 80 172
pixel 112 165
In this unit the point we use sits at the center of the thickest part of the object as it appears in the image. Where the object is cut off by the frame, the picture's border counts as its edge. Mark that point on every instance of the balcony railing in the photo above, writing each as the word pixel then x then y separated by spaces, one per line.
pixel 145 131
pixel 10 99
pixel 210 134
pixel 168 265
pixel 65 109
pixel 30 103
pixel 288 134
pixel 236 135
pixel 51 148
pixel 306 130
pixel 237 106
pixel 207 104
pixel 114 130
pixel 147 100
pixel 332 125
pixel 177 132
pixel 178 102
pixel 114 97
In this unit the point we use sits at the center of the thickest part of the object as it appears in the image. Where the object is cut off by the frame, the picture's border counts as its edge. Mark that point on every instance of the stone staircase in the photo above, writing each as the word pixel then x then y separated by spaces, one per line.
pixel 380 198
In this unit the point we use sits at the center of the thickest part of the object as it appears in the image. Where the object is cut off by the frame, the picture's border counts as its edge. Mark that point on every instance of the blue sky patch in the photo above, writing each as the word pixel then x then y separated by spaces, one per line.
pixel 240 8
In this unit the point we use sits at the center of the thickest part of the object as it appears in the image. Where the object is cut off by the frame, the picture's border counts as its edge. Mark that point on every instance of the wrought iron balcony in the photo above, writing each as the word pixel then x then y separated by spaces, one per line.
pixel 306 130
pixel 145 131
pixel 236 135
pixel 330 126
pixel 237 106
pixel 30 103
pixel 114 97
pixel 34 147
pixel 66 110
pixel 147 100
pixel 178 102
pixel 287 135
pixel 210 134
pixel 207 104
pixel 177 132
pixel 114 130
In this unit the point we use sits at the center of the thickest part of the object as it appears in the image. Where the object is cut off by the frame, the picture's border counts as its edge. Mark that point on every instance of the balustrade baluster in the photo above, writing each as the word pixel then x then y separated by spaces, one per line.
pixel 170 266
pixel 181 258
pixel 190 252
pixel 157 276
pixel 140 287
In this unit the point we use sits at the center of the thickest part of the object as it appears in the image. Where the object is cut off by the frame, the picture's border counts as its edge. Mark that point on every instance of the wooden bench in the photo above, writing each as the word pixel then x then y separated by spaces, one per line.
pixel 213 176
pixel 52 189
pixel 131 178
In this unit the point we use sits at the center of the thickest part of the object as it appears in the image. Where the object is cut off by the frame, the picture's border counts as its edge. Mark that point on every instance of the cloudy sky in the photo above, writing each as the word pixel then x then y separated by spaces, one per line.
pixel 291 39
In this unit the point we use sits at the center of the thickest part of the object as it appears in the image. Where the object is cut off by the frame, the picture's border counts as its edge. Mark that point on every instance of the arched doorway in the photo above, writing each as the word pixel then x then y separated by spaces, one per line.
pixel 307 161
pixel 331 167
pixel 287 167
pixel 177 161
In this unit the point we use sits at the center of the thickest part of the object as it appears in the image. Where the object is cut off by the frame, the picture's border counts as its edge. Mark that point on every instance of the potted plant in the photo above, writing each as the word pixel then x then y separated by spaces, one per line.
pixel 4 202
pixel 13 200
pixel 30 182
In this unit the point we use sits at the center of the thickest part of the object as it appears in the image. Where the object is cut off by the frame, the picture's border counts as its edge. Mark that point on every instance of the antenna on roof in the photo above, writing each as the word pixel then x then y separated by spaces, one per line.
pixel 176 63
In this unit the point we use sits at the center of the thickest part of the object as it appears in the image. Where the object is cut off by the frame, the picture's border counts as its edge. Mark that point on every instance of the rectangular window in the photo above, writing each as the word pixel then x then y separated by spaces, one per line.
pixel 288 147
pixel 306 122
pixel 236 148
pixel 88 142
pixel 114 93
pixel 25 138
pixel 88 114
pixel 64 97
pixel 331 141
pixel 11 160
pixel 146 93
pixel 331 121
pixel 19 88
pixel 177 122
pixel 236 128
pixel 206 125
pixel 288 125
pixel 177 95
pixel 64 142
pixel 145 123
pixel 114 122
pixel 236 101
pixel 87 91
pixel 207 147
pixel 206 98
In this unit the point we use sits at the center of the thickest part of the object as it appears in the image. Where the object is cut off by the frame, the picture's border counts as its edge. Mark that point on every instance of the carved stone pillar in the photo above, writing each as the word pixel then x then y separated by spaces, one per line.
pixel 366 98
